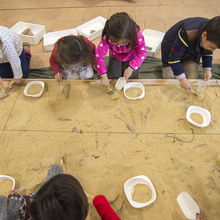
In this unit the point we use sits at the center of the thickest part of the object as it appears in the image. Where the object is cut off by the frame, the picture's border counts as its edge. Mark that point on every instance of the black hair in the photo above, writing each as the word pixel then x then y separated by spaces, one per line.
pixel 62 198
pixel 72 50
pixel 213 31
pixel 121 26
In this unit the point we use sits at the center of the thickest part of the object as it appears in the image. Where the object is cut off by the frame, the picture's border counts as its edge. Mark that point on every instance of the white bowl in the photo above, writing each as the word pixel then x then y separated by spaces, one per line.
pixel 4 177
pixel 139 180
pixel 203 112
pixel 120 83
pixel 32 83
pixel 188 205
pixel 134 85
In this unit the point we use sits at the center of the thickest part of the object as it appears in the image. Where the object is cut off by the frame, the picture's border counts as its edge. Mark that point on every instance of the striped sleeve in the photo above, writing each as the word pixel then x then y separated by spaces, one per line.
pixel 207 60
pixel 177 50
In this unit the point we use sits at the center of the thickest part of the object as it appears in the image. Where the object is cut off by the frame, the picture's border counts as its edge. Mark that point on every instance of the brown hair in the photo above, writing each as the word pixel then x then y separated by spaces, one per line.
pixel 121 26
pixel 72 50
pixel 62 198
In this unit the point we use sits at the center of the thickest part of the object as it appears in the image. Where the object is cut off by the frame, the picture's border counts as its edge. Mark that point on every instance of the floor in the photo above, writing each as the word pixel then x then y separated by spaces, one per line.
pixel 65 14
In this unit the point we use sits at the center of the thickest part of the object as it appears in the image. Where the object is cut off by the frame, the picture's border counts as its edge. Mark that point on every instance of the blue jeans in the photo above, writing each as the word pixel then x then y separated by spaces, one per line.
pixel 6 70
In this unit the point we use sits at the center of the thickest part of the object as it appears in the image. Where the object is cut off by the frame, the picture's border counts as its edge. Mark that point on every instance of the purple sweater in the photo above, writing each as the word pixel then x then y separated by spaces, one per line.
pixel 121 53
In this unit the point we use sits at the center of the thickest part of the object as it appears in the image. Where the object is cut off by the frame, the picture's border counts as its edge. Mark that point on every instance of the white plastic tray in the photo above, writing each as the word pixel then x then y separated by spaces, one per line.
pixel 97 24
pixel 31 83
pixel 51 38
pixel 188 205
pixel 139 180
pixel 37 30
pixel 120 83
pixel 137 85
pixel 153 40
pixel 4 177
pixel 206 115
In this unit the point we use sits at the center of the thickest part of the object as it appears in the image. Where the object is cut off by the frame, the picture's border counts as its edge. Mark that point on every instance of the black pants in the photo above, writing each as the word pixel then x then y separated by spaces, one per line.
pixel 116 69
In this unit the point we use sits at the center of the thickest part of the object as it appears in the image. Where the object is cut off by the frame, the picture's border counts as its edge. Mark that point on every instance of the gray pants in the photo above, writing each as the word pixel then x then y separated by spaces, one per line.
pixel 190 68
pixel 116 69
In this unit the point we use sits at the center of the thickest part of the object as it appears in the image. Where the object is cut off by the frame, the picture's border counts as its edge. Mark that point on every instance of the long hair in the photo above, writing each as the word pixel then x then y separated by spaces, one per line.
pixel 61 198
pixel 73 50
pixel 121 26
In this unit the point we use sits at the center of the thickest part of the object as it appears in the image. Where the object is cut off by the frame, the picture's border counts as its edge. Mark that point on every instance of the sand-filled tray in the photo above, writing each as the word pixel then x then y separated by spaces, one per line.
pixel 51 38
pixel 37 30
pixel 134 90
pixel 92 29
pixel 153 41
pixel 34 89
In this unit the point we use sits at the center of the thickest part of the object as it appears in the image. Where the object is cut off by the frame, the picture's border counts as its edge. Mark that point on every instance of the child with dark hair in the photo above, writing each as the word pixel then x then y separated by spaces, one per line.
pixel 185 43
pixel 14 58
pixel 127 49
pixel 60 197
pixel 73 56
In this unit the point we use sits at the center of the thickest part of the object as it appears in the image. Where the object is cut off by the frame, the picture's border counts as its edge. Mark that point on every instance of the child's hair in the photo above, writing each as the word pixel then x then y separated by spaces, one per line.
pixel 121 26
pixel 73 50
pixel 213 30
pixel 61 198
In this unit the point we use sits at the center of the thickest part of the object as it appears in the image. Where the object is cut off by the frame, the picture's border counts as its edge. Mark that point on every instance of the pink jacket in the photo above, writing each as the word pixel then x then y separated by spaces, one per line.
pixel 121 53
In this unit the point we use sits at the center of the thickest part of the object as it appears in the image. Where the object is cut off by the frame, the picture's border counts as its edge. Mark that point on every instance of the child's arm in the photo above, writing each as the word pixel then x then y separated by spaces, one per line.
pixel 55 65
pixel 104 209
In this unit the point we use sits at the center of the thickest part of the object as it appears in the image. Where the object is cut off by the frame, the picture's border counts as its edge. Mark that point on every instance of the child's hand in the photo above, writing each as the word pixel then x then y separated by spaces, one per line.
pixel 10 191
pixel 5 85
pixel 105 82
pixel 207 74
pixel 128 72
pixel 184 83
pixel 58 77
pixel 18 81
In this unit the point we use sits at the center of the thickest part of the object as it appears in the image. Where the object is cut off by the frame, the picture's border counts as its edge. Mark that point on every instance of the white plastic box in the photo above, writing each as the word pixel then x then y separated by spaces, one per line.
pixel 51 38
pixel 37 30
pixel 92 29
pixel 153 41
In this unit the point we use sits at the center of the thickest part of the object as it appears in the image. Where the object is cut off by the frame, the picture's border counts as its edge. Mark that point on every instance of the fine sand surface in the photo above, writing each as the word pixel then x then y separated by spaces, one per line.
pixel 107 142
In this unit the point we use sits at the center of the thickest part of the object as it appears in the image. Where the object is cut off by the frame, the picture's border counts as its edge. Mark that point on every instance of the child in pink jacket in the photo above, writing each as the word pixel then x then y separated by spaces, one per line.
pixel 127 49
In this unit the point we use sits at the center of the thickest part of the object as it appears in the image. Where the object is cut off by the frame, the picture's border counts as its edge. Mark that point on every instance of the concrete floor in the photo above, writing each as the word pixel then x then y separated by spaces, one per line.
pixel 65 14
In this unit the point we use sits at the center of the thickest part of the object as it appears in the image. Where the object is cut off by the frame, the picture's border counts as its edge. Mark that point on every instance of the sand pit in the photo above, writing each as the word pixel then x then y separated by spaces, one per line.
pixel 106 142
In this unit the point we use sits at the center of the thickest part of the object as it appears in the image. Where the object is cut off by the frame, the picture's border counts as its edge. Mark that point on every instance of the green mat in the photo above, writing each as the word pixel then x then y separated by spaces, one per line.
pixel 151 68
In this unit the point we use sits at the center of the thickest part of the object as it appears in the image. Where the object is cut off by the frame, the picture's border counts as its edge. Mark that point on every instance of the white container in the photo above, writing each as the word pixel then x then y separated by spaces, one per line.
pixel 139 180
pixel 134 85
pixel 120 83
pixel 40 83
pixel 206 115
pixel 51 38
pixel 97 24
pixel 4 177
pixel 153 41
pixel 188 205
pixel 37 30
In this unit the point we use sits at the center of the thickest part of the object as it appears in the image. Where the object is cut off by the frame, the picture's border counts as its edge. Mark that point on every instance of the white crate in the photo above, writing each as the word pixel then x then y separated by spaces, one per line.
pixel 96 24
pixel 51 38
pixel 37 30
pixel 153 40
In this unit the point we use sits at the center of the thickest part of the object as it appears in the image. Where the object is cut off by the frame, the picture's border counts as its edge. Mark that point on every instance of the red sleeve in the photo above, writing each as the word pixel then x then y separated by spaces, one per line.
pixel 91 45
pixel 53 62
pixel 104 209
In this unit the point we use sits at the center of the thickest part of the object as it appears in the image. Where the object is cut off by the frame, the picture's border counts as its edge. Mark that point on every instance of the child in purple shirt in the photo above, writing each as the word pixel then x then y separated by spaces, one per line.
pixel 127 49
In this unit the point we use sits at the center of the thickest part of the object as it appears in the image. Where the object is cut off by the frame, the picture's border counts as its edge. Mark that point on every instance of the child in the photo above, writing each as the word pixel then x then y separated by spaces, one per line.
pixel 60 197
pixel 185 43
pixel 14 58
pixel 127 49
pixel 73 56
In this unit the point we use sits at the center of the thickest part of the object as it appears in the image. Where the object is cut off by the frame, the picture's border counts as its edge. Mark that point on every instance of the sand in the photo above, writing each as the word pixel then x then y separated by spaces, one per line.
pixel 141 193
pixel 133 92
pixel 106 142
pixel 197 118
pixel 34 89
pixel 5 186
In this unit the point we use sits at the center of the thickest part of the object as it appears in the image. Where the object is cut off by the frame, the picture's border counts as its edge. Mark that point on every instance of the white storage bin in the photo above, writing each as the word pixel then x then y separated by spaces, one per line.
pixel 96 25
pixel 153 41
pixel 51 38
pixel 37 30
